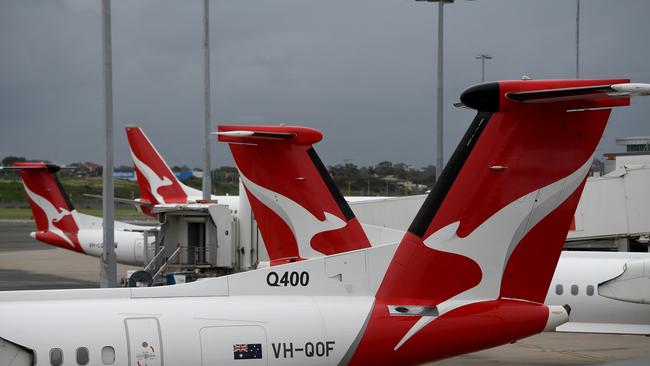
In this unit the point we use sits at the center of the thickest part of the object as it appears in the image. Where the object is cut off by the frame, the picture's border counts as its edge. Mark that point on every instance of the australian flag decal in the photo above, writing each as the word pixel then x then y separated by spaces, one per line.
pixel 247 351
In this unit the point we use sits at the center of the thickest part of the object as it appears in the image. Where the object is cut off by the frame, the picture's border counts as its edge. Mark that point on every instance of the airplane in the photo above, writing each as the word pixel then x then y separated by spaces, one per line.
pixel 471 272
pixel 59 224
pixel 291 193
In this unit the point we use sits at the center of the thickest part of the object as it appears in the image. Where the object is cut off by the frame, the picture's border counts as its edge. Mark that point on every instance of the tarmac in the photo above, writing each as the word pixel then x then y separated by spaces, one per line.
pixel 26 264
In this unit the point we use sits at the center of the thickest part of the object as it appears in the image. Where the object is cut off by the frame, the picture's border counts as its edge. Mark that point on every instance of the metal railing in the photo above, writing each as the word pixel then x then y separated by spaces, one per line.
pixel 164 265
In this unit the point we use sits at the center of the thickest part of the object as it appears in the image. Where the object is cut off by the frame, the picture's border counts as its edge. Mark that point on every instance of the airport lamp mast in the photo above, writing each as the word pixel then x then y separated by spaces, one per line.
pixel 439 125
pixel 577 39
pixel 207 171
pixel 108 266
pixel 483 57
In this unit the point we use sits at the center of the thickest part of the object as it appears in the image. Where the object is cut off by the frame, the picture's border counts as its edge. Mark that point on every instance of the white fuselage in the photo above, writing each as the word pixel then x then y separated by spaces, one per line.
pixel 129 239
pixel 308 322
pixel 313 320
pixel 194 330
pixel 129 245
pixel 581 273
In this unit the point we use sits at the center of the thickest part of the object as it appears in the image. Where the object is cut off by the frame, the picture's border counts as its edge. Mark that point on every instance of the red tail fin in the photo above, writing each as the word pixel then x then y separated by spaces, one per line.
pixel 53 212
pixel 299 210
pixel 50 204
pixel 495 223
pixel 156 181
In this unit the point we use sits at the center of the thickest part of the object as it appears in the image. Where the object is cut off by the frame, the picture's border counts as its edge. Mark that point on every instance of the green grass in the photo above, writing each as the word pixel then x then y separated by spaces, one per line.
pixel 16 206
pixel 21 213
pixel 12 191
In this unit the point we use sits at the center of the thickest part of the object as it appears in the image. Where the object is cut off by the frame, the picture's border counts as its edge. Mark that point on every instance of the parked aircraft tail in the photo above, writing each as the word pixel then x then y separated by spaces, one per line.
pixel 53 211
pixel 484 245
pixel 156 181
pixel 299 210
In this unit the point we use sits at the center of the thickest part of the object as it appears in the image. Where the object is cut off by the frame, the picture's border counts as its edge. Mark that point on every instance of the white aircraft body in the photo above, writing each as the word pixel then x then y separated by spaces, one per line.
pixel 584 281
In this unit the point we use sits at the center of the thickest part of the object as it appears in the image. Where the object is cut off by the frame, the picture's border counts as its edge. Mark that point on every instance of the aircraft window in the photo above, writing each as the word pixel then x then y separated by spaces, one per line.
pixel 108 355
pixel 574 289
pixel 559 289
pixel 56 357
pixel 82 356
pixel 590 290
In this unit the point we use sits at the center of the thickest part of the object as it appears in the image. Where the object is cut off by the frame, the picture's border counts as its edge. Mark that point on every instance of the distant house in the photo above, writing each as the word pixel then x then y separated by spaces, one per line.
pixel 86 169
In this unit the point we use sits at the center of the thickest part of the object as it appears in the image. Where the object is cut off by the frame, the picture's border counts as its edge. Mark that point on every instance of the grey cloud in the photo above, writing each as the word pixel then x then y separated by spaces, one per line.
pixel 360 71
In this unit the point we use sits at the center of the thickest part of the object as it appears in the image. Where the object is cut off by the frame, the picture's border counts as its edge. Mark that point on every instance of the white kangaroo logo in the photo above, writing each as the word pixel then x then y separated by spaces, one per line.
pixel 152 178
pixel 502 231
pixel 303 224
pixel 53 214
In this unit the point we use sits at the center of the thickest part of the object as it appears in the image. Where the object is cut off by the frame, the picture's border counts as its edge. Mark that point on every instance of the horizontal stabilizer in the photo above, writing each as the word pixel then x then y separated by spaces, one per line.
pixel 587 93
pixel 294 135
pixel 52 168
pixel 257 135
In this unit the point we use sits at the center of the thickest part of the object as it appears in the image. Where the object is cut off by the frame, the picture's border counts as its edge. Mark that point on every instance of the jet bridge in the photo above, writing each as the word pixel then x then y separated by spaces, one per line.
pixel 614 212
pixel 200 238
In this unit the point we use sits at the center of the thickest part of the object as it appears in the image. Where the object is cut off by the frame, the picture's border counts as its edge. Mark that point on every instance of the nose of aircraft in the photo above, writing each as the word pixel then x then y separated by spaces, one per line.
pixel 33 234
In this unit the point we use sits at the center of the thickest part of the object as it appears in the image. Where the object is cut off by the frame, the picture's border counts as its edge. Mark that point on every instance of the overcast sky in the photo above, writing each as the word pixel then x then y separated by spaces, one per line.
pixel 361 71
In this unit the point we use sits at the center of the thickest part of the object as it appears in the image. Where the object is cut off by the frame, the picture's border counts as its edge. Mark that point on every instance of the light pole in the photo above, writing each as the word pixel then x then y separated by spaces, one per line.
pixel 207 166
pixel 439 125
pixel 108 263
pixel 483 57
pixel 577 39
